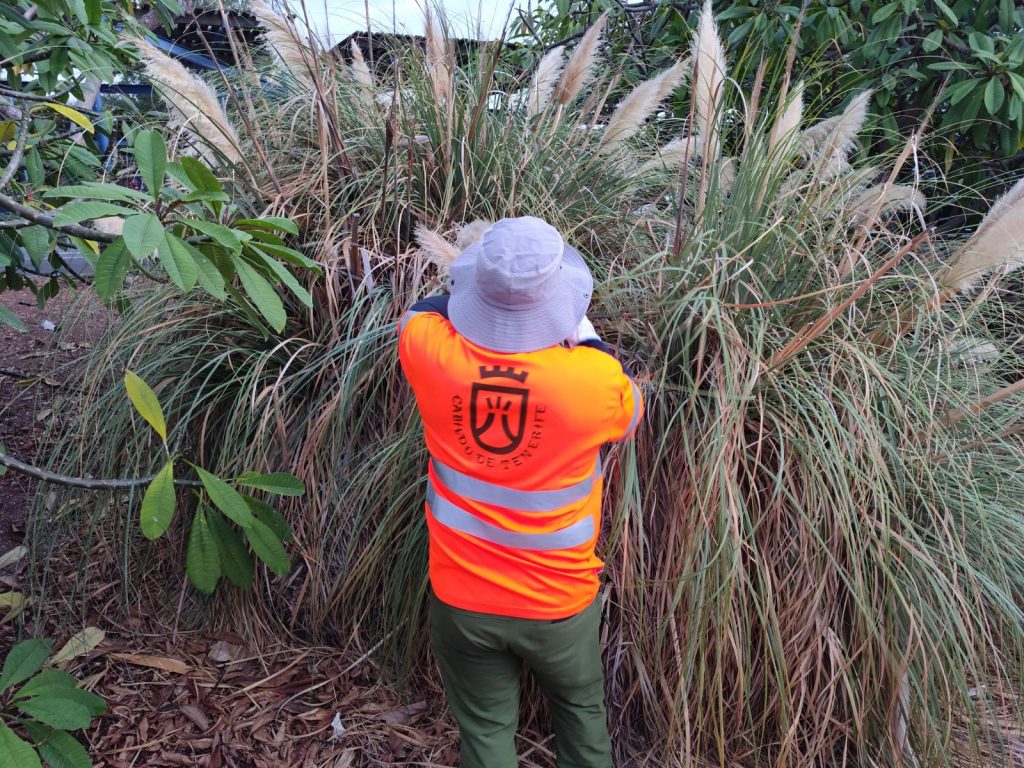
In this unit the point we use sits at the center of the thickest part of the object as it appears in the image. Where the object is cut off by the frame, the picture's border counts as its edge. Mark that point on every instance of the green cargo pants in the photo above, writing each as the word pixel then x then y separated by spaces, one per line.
pixel 481 657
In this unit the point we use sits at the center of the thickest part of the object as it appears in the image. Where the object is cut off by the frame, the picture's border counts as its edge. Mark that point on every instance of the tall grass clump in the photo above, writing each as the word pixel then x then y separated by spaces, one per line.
pixel 813 544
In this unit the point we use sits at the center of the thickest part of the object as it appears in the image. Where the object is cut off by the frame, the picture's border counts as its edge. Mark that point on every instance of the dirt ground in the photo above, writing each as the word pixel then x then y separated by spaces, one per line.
pixel 34 367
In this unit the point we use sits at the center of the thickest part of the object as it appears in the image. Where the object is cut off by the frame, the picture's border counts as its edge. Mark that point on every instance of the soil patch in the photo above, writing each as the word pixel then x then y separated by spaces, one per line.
pixel 34 368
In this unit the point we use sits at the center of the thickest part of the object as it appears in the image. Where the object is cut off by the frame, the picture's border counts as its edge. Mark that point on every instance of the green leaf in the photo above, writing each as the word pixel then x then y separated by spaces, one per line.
pixel 228 500
pixel 97 191
pixel 201 177
pixel 262 295
pixel 36 241
pixel 23 661
pixel 959 91
pixel 280 483
pixel 151 157
pixel 111 268
pixel 178 262
pixel 202 560
pixel 75 213
pixel 225 236
pixel 9 318
pixel 884 12
pixel 234 557
pixel 947 12
pixel 62 750
pixel 57 710
pixel 288 255
pixel 15 752
pixel 71 114
pixel 933 41
pixel 145 401
pixel 995 95
pixel 47 680
pixel 270 223
pixel 287 278
pixel 158 503
pixel 270 517
pixel 207 274
pixel 268 548
pixel 34 167
pixel 143 234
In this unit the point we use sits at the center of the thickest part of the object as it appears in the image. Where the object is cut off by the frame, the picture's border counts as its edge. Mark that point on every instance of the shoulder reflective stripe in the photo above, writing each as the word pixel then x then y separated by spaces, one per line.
pixel 635 419
pixel 510 498
pixel 406 318
pixel 458 519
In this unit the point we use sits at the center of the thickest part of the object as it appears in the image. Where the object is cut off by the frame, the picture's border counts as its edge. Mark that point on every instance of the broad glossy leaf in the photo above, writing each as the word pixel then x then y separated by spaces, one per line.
pixel 36 241
pixel 47 680
pixel 225 236
pixel 111 269
pixel 234 557
pixel 151 158
pixel 178 262
pixel 146 403
pixel 16 752
pixel 280 483
pixel 271 223
pixel 262 295
pixel 85 210
pixel 288 279
pixel 995 95
pixel 158 504
pixel 143 234
pixel 96 191
pixel 288 255
pixel 62 750
pixel 23 661
pixel 57 711
pixel 228 500
pixel 9 318
pixel 268 548
pixel 202 178
pixel 73 115
pixel 207 275
pixel 202 560
pixel 270 517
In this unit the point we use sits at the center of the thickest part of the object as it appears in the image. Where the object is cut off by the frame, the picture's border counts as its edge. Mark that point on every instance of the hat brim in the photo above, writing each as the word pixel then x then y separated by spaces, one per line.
pixel 519 330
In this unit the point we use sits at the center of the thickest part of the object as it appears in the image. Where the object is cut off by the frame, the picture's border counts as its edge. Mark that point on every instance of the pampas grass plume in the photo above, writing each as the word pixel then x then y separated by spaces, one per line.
pixel 289 50
pixel 439 60
pixel 544 80
pixel 709 78
pixel 192 104
pixel 579 68
pixel 360 70
pixel 438 250
pixel 789 120
pixel 886 199
pixel 472 232
pixel 830 141
pixel 638 106
pixel 675 153
pixel 997 244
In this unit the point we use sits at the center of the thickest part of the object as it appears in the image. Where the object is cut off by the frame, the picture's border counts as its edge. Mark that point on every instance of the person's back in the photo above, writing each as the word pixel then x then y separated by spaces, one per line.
pixel 514 422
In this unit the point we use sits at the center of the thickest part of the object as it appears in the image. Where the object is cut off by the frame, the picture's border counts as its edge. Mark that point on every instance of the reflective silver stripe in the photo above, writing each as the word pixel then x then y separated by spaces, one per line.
pixel 458 519
pixel 406 318
pixel 526 501
pixel 635 420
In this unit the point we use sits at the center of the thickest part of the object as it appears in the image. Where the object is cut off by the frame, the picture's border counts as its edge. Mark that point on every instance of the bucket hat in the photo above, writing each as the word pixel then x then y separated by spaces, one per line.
pixel 519 288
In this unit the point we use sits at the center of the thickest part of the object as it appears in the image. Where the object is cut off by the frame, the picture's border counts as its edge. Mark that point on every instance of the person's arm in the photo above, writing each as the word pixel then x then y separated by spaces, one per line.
pixel 435 304
pixel 585 335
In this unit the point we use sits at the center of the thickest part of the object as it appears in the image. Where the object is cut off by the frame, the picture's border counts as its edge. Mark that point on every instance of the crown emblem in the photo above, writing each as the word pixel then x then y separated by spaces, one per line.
pixel 497 372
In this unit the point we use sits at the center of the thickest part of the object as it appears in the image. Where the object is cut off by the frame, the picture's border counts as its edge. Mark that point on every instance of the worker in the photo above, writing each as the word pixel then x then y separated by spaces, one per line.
pixel 517 394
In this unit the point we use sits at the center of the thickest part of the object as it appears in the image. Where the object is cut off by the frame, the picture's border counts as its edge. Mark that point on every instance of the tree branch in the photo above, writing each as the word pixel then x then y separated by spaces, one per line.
pixel 75 230
pixel 19 150
pixel 84 482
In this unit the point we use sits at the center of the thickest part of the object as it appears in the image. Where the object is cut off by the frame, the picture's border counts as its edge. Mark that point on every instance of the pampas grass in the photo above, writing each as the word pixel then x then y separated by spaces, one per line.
pixel 192 105
pixel 544 79
pixel 829 142
pixel 676 152
pixel 472 232
pixel 709 79
pixel 788 122
pixel 360 70
pixel 439 251
pixel 440 57
pixel 580 67
pixel 886 199
pixel 635 108
pixel 998 244
pixel 289 50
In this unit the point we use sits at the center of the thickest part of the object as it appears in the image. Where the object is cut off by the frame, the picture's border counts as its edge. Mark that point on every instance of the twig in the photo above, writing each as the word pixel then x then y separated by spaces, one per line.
pixel 84 482
pixel 19 150
pixel 75 230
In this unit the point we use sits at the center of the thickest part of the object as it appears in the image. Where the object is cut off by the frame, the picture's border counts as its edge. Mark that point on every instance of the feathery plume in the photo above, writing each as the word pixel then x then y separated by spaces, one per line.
pixel 727 174
pixel 439 58
pixel 440 252
pixel 544 79
pixel 830 141
pixel 192 105
pixel 709 82
pixel 788 122
pixel 112 225
pixel 470 233
pixel 289 50
pixel 675 153
pixel 580 66
pixel 998 243
pixel 887 199
pixel 630 114
pixel 360 70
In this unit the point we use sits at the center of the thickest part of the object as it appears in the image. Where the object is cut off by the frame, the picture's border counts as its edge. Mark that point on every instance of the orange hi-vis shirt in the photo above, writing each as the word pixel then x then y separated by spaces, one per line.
pixel 514 484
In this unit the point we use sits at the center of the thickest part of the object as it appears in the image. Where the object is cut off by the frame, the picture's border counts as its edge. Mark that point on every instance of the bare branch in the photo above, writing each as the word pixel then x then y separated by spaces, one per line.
pixel 19 150
pixel 84 482
pixel 45 220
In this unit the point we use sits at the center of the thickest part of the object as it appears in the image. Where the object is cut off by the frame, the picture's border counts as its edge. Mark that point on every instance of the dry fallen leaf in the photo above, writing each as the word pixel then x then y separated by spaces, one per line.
pixel 156 662
pixel 196 715
pixel 402 715
pixel 79 644
pixel 222 652
pixel 10 558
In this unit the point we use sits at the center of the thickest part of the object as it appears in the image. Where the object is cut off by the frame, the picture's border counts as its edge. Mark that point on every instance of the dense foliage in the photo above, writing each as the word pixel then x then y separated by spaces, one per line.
pixel 964 56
